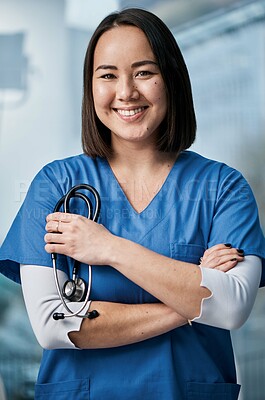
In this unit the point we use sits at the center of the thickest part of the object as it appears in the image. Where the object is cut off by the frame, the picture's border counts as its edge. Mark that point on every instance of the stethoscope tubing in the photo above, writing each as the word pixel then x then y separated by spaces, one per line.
pixel 65 203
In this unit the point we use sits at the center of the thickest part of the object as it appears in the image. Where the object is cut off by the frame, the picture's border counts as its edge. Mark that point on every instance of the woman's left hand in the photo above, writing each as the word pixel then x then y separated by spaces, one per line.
pixel 78 237
pixel 222 257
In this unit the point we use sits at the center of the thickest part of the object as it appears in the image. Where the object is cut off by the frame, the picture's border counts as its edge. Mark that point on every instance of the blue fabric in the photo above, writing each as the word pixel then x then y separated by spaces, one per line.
pixel 201 203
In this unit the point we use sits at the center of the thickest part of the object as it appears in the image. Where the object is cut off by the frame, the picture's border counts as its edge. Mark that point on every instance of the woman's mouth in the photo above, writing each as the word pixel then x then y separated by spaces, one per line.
pixel 129 113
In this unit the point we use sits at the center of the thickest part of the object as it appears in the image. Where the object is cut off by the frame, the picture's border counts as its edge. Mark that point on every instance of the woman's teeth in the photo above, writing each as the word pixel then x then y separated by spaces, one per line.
pixel 129 113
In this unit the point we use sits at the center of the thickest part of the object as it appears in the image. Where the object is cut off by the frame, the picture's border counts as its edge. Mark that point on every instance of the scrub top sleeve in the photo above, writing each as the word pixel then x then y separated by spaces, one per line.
pixel 236 218
pixel 24 243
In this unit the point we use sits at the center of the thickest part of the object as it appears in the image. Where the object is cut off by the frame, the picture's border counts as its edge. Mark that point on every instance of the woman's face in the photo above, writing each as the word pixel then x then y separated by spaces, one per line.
pixel 128 89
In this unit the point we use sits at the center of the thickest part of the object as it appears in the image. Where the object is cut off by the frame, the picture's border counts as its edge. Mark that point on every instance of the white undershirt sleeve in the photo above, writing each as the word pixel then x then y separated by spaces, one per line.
pixel 233 294
pixel 42 300
pixel 232 297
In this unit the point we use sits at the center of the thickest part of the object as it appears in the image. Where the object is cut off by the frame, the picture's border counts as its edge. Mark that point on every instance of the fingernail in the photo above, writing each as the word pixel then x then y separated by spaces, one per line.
pixel 228 245
pixel 240 251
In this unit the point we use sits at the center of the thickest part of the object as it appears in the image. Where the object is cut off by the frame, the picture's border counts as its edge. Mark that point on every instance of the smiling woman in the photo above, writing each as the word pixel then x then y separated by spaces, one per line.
pixel 128 89
pixel 165 210
pixel 164 61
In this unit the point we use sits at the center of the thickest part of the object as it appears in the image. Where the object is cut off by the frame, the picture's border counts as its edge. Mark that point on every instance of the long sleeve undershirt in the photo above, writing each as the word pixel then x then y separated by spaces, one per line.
pixel 232 297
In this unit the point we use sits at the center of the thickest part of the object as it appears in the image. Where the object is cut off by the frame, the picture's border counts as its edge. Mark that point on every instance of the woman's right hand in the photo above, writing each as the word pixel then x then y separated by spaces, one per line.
pixel 222 257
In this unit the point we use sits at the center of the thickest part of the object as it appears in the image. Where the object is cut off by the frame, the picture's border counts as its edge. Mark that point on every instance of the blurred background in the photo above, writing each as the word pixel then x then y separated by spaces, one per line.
pixel 42 47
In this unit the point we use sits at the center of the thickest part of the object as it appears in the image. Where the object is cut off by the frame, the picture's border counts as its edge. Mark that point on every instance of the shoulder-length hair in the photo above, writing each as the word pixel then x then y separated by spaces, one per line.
pixel 177 132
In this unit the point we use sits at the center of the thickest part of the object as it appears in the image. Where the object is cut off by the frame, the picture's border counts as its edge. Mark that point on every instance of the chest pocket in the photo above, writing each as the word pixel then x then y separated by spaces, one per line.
pixel 212 391
pixel 70 390
pixel 190 253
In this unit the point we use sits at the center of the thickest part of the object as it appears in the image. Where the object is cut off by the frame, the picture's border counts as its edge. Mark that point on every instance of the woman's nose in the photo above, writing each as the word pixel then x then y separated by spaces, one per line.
pixel 126 90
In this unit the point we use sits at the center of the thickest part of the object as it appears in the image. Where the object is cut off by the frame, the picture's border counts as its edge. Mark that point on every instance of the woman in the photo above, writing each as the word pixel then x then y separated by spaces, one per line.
pixel 164 209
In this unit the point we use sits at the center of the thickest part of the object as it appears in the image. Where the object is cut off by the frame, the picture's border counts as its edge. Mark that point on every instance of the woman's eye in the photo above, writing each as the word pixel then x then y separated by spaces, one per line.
pixel 144 73
pixel 108 76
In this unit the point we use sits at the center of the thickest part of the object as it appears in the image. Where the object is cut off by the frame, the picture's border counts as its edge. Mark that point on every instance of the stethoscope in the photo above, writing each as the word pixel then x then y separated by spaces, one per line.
pixel 75 289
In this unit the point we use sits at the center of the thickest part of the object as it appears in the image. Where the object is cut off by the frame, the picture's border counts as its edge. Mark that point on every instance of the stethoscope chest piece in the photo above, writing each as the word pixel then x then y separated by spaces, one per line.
pixel 74 290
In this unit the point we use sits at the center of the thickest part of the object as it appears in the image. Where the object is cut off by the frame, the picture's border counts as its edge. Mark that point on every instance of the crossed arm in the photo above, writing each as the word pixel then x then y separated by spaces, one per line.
pixel 118 324
pixel 183 289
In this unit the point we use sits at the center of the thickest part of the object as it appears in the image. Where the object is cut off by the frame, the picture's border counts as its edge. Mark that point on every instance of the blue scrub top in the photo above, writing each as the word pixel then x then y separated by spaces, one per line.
pixel 202 203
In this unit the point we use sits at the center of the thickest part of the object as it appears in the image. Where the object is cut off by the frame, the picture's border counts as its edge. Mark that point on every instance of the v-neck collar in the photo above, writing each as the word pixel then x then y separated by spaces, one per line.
pixel 126 201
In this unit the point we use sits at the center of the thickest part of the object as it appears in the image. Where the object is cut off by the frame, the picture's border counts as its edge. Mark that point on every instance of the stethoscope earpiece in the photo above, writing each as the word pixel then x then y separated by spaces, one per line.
pixel 74 289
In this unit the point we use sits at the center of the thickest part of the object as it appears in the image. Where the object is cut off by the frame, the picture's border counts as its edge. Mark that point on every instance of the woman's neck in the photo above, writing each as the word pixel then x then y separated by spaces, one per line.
pixel 137 158
pixel 141 174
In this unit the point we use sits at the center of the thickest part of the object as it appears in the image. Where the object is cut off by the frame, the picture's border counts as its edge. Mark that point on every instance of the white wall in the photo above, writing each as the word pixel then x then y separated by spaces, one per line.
pixel 41 128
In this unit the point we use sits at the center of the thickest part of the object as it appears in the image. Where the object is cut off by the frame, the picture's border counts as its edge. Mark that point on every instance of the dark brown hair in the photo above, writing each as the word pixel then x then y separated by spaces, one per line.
pixel 177 132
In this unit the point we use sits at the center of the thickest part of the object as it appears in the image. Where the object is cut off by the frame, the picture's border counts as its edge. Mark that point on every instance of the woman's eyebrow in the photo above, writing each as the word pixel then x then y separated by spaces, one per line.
pixel 143 62
pixel 106 66
pixel 134 65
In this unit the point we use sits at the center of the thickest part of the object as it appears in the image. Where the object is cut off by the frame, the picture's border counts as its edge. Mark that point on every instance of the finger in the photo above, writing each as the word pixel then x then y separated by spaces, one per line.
pixel 221 246
pixel 227 266
pixel 54 238
pixel 240 252
pixel 59 216
pixel 55 248
pixel 56 226
pixel 223 254
pixel 218 260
